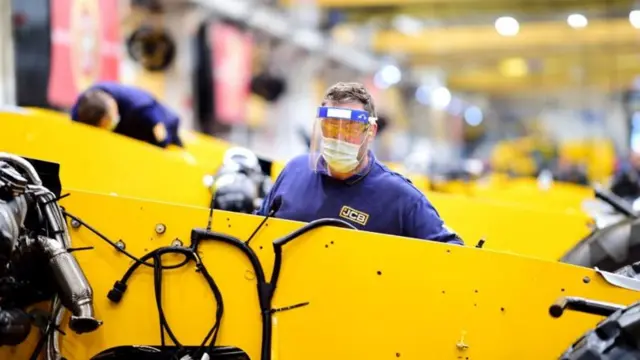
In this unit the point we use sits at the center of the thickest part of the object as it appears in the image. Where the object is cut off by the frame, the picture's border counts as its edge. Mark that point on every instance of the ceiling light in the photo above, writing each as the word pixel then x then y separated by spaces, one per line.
pixel 507 26
pixel 634 18
pixel 577 21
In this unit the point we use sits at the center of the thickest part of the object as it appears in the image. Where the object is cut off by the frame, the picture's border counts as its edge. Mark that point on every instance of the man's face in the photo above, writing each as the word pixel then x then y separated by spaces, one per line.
pixel 111 119
pixel 347 130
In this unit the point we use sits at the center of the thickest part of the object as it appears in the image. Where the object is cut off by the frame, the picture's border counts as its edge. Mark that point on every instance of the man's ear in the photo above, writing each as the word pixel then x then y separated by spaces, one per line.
pixel 373 130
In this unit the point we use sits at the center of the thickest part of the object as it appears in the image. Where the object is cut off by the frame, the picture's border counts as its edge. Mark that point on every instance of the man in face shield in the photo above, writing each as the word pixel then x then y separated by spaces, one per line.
pixel 341 178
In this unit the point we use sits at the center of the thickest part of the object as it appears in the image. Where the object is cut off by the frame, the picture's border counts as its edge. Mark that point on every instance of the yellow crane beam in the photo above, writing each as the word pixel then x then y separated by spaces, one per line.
pixel 455 11
pixel 494 82
pixel 601 69
pixel 448 3
pixel 539 36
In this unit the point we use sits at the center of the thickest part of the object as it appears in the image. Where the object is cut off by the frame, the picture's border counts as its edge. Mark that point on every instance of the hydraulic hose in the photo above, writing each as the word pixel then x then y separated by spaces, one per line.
pixel 264 289
pixel 116 293
pixel 278 244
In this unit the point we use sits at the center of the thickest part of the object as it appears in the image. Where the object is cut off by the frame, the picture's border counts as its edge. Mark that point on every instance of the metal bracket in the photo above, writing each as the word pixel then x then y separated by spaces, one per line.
pixel 619 280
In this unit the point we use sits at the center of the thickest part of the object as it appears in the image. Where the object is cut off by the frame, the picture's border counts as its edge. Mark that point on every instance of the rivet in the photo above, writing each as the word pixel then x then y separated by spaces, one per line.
pixel 160 228
pixel 121 245
pixel 75 223
pixel 176 243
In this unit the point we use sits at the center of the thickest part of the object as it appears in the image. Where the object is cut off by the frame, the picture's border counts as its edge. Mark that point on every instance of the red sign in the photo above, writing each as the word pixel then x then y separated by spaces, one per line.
pixel 85 39
pixel 231 55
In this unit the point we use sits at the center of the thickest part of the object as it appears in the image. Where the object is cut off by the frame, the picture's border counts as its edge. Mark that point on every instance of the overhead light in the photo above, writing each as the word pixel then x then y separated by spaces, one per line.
pixel 423 95
pixel 507 26
pixel 634 18
pixel 387 76
pixel 440 98
pixel 577 21
pixel 473 116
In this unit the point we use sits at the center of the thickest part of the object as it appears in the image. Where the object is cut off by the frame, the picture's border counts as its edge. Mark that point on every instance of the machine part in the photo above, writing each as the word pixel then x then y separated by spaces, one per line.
pixel 15 326
pixel 24 165
pixel 614 338
pixel 75 292
pixel 620 280
pixel 73 287
pixel 583 305
pixel 121 245
pixel 608 248
pixel 236 192
pixel 161 228
pixel 116 293
pixel 176 243
pixel 12 216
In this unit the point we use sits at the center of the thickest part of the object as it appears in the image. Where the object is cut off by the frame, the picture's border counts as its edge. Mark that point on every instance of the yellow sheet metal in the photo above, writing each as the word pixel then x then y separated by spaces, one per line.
pixel 99 161
pixel 370 296
pixel 96 160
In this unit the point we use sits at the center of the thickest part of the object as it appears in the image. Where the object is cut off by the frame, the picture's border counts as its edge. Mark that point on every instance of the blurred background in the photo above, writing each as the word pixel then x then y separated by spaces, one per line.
pixel 516 86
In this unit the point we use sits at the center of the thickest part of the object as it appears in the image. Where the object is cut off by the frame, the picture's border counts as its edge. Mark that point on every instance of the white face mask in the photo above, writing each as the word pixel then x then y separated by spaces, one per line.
pixel 341 156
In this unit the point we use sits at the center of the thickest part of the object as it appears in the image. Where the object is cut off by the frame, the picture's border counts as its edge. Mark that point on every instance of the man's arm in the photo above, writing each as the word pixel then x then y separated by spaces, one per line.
pixel 161 125
pixel 424 222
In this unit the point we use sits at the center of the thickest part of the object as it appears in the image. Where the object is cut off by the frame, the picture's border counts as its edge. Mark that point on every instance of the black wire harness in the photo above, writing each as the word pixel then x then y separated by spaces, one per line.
pixel 266 289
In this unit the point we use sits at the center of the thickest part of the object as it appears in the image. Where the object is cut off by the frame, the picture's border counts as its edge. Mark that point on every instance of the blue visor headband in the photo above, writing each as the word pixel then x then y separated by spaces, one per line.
pixel 346 114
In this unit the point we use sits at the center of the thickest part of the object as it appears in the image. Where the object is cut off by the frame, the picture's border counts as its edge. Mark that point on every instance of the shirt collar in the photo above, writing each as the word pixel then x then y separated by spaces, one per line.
pixel 322 168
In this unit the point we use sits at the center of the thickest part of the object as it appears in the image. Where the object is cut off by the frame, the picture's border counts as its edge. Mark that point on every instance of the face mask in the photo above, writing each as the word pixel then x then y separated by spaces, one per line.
pixel 340 155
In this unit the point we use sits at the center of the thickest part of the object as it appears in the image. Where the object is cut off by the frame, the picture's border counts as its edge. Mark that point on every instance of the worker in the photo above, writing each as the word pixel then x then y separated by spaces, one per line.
pixel 626 181
pixel 129 111
pixel 341 178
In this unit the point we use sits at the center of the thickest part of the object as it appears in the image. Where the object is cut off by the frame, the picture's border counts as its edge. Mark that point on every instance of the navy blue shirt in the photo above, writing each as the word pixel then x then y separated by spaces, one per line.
pixel 377 200
pixel 140 113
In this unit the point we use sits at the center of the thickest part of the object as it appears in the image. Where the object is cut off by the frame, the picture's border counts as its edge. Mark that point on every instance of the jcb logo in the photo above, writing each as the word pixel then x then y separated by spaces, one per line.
pixel 354 215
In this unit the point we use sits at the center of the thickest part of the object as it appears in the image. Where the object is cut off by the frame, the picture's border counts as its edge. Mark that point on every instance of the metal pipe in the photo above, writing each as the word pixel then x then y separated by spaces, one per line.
pixel 24 165
pixel 75 292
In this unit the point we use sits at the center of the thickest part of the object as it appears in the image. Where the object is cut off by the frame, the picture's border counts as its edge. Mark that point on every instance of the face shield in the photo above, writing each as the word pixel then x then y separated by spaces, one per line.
pixel 339 140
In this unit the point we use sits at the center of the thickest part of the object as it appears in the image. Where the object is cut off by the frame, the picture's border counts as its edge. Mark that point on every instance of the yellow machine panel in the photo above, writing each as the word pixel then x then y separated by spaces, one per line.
pixel 543 233
pixel 96 160
pixel 99 161
pixel 367 296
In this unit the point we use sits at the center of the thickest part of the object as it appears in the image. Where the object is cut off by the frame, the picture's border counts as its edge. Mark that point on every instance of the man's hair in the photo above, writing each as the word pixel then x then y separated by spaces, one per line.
pixel 92 107
pixel 342 93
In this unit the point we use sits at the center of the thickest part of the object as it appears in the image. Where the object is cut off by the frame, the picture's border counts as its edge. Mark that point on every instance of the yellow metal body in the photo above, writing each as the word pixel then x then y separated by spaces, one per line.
pixel 99 161
pixel 96 160
pixel 370 296
pixel 526 191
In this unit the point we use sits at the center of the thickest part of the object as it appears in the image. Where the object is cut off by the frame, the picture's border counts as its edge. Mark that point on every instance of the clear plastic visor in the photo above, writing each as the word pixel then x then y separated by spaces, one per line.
pixel 338 144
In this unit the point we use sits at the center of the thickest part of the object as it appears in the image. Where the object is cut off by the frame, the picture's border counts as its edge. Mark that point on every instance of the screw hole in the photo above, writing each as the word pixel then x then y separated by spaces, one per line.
pixel 227 219
pixel 326 245
pixel 562 290
pixel 397 354
pixel 586 280
pixel 501 309
pixel 448 250
pixel 266 225
pixel 332 243
pixel 260 247
pixel 379 272
pixel 444 292
pixel 475 291
pixel 475 305
pixel 229 225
